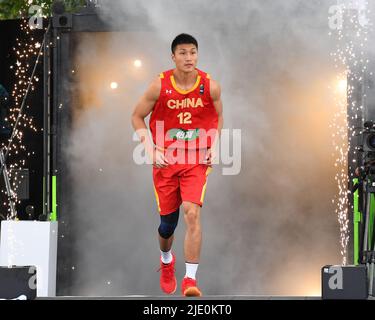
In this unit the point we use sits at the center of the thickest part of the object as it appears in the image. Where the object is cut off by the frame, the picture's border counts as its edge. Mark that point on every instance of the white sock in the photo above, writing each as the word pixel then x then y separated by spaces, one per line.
pixel 166 257
pixel 191 270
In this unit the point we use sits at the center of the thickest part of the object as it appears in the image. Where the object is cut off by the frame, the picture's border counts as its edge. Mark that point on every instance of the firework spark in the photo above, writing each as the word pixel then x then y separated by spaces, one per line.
pixel 350 60
pixel 26 50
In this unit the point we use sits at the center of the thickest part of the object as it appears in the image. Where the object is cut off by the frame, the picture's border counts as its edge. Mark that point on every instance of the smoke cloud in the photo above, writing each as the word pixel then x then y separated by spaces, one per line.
pixel 266 231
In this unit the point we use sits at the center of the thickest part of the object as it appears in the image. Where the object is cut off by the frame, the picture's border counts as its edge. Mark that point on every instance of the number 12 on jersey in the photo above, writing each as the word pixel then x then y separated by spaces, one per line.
pixel 185 117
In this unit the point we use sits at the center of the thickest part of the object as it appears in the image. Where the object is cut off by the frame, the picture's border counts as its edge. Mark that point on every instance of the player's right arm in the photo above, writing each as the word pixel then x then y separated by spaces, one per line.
pixel 142 109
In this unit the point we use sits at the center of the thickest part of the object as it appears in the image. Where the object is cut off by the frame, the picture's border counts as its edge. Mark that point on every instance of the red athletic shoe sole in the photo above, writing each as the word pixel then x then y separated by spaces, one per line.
pixel 192 292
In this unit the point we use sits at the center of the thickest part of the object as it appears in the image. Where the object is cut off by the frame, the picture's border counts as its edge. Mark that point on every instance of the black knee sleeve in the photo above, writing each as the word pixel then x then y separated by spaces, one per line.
pixel 168 224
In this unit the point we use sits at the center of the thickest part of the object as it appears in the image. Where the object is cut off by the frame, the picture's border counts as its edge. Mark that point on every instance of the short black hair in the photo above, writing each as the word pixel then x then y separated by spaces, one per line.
pixel 183 38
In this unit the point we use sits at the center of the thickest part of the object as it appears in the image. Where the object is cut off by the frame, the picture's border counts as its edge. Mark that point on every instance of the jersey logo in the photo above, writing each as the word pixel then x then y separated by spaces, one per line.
pixel 168 91
pixel 182 134
pixel 201 89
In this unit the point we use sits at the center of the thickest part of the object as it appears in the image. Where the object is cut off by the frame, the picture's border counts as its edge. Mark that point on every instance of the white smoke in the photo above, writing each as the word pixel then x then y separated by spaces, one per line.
pixel 269 229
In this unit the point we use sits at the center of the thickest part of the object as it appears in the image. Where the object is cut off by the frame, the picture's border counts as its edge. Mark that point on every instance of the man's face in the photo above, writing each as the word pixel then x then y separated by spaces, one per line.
pixel 185 57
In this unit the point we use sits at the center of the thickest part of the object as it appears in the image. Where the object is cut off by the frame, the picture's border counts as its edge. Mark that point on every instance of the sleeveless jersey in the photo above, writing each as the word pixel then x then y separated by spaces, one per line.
pixel 185 118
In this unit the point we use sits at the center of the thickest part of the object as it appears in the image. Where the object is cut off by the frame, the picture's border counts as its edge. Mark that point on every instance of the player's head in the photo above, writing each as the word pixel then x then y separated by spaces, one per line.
pixel 185 52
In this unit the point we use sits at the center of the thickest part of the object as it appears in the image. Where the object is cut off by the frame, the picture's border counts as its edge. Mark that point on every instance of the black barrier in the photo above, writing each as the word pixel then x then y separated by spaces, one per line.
pixel 18 283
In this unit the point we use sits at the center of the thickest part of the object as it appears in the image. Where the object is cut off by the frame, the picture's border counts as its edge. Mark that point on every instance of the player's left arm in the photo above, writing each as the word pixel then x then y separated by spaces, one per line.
pixel 215 91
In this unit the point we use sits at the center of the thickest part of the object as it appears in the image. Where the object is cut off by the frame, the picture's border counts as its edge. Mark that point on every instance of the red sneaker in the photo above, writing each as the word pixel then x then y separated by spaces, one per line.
pixel 168 282
pixel 189 288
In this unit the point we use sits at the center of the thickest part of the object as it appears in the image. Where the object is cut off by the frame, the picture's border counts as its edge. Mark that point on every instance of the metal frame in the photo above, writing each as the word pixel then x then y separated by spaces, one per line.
pixel 364 97
pixel 46 124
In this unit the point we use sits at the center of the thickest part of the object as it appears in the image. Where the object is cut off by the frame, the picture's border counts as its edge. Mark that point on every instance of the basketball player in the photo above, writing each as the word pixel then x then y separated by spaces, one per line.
pixel 185 105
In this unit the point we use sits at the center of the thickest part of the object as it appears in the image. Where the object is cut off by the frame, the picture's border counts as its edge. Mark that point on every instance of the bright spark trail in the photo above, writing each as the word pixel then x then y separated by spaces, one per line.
pixel 350 59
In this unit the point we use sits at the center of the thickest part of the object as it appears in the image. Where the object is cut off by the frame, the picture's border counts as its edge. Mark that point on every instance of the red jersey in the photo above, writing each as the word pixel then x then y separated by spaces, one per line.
pixel 184 118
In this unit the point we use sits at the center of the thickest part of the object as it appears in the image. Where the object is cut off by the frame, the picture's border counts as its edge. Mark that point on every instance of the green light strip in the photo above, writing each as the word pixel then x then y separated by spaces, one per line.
pixel 53 216
pixel 356 221
pixel 371 222
pixel 44 195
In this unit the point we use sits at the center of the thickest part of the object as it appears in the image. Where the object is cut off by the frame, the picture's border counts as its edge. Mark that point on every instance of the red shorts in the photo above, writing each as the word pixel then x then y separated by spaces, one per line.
pixel 179 182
